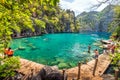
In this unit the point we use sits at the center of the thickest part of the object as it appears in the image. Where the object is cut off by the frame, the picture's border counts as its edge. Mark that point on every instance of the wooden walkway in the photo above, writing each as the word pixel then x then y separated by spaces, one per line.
pixel 87 69
pixel 28 67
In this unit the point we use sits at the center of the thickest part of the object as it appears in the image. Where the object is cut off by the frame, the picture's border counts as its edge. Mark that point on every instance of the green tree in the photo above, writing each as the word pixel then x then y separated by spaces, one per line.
pixel 8 66
pixel 17 15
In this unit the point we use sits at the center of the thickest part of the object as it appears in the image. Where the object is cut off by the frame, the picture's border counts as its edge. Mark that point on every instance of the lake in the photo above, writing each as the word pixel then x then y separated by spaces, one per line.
pixel 63 49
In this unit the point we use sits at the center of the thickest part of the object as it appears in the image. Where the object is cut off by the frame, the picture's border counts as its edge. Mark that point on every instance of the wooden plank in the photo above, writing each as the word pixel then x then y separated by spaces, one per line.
pixel 27 65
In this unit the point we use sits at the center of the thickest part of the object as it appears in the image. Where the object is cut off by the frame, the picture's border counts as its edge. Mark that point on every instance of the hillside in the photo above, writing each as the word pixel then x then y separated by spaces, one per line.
pixel 96 21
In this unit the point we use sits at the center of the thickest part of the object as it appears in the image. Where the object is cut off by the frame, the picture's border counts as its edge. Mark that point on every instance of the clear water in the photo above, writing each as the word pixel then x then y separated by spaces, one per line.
pixel 64 50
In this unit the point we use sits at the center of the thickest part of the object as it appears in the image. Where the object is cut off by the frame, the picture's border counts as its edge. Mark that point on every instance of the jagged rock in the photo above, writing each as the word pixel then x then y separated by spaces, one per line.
pixel 49 73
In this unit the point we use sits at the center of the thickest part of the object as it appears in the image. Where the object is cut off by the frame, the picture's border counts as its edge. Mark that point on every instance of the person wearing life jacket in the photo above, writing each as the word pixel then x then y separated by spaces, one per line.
pixel 8 52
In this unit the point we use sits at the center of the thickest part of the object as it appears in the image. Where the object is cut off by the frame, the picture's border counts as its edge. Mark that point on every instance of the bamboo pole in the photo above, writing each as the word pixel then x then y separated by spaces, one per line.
pixel 116 74
pixel 63 74
pixel 79 69
pixel 96 61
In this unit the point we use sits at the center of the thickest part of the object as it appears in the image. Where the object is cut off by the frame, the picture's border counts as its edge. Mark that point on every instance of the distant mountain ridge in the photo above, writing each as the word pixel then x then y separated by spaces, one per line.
pixel 96 21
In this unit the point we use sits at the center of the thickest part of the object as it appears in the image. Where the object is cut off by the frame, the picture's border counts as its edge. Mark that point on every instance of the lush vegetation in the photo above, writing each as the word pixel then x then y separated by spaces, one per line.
pixel 31 17
pixel 19 17
pixel 115 25
pixel 8 67
pixel 115 28
pixel 15 16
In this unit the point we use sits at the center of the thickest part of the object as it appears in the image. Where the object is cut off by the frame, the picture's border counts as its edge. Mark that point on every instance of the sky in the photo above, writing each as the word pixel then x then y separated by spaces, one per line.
pixel 78 6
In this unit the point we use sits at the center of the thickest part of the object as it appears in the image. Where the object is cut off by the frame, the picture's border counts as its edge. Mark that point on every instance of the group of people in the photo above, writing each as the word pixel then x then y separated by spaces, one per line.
pixel 109 49
pixel 95 51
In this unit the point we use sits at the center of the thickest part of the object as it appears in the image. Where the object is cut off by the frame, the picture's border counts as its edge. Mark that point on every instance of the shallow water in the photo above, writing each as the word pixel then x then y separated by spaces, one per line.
pixel 64 50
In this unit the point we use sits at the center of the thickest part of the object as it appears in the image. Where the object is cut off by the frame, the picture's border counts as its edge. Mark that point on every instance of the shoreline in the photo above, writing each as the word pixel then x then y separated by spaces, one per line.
pixel 27 36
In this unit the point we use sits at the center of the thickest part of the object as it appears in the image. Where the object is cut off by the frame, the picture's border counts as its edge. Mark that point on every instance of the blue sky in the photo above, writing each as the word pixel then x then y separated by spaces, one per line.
pixel 79 6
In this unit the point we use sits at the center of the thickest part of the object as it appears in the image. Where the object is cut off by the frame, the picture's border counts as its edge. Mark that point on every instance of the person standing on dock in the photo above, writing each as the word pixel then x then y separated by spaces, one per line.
pixel 89 47
pixel 112 48
pixel 96 53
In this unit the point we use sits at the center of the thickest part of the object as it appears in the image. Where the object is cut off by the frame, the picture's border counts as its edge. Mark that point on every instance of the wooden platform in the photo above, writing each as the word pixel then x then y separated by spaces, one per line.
pixel 28 67
pixel 87 69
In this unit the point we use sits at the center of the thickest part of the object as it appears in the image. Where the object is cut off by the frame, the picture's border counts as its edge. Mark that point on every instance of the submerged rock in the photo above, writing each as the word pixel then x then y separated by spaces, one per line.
pixel 59 60
pixel 33 48
pixel 63 65
pixel 21 48
pixel 30 44
pixel 96 44
pixel 71 64
pixel 25 41
pixel 55 63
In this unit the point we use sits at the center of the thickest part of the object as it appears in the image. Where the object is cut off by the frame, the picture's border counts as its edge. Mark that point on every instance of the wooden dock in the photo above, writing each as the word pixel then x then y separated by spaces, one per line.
pixel 28 67
pixel 87 69
pixel 86 73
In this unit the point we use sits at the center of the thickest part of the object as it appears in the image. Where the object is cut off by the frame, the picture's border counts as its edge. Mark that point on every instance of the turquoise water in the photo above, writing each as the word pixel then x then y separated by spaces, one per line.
pixel 64 50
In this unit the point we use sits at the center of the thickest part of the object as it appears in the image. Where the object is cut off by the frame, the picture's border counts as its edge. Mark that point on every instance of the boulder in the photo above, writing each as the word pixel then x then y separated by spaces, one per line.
pixel 63 65
pixel 49 73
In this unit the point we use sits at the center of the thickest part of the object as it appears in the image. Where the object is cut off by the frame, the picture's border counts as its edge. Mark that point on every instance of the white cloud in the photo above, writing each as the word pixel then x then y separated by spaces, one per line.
pixel 80 5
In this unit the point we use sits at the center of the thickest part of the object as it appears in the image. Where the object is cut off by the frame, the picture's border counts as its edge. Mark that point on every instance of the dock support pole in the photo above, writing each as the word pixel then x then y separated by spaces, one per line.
pixel 79 68
pixel 63 74
pixel 96 61
pixel 116 74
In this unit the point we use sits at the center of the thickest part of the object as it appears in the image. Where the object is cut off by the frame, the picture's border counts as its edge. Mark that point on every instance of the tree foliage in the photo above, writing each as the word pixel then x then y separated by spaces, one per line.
pixel 15 16
pixel 8 66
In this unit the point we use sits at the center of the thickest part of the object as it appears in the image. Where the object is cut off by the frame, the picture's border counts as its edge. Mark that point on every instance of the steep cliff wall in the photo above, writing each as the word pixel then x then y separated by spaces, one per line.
pixel 96 21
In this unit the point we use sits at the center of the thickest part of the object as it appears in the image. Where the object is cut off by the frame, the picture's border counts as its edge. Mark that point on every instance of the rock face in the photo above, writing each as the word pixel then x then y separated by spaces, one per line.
pixel 96 21
pixel 49 73
pixel 46 73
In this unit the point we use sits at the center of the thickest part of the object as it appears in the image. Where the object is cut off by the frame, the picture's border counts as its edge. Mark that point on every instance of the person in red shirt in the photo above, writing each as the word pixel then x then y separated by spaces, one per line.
pixel 9 52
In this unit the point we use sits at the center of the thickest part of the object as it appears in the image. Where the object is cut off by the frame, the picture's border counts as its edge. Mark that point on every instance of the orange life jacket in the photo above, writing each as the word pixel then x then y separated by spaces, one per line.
pixel 8 52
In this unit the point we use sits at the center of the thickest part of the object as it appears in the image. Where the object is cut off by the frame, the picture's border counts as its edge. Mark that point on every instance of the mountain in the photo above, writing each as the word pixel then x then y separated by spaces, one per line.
pixel 96 21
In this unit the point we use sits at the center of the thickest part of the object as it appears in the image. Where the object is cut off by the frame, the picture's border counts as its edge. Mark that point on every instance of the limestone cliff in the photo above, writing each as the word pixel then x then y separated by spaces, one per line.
pixel 96 21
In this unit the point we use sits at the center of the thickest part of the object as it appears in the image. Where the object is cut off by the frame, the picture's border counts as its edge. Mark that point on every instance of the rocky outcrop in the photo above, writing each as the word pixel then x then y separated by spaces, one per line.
pixel 96 21
pixel 50 73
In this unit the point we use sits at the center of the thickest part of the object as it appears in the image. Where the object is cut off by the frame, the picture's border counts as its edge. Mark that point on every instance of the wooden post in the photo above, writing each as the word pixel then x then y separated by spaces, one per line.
pixel 96 60
pixel 79 68
pixel 73 79
pixel 63 74
pixel 116 74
